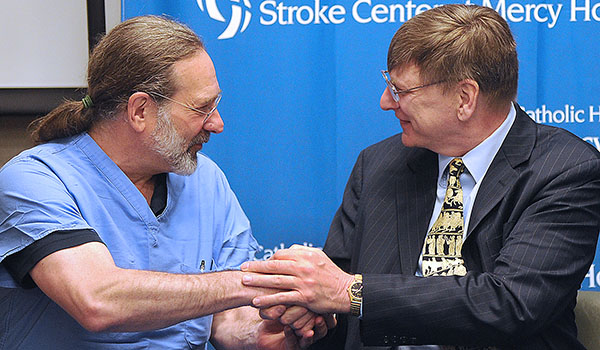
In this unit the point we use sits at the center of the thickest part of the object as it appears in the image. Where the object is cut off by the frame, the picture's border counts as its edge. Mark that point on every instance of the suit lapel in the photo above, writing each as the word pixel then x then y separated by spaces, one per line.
pixel 502 174
pixel 415 198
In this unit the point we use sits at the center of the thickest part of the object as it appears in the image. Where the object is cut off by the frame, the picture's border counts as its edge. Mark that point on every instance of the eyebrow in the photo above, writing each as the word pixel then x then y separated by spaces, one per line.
pixel 395 83
pixel 204 102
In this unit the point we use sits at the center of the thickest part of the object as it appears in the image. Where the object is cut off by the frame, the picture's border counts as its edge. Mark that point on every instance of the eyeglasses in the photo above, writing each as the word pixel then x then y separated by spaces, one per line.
pixel 396 93
pixel 204 113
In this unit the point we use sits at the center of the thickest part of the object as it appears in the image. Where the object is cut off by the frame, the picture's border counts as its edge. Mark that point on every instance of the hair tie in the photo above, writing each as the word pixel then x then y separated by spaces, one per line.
pixel 87 101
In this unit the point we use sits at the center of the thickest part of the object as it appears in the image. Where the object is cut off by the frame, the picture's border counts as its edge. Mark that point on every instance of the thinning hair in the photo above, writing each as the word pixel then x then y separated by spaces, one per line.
pixel 137 55
pixel 455 42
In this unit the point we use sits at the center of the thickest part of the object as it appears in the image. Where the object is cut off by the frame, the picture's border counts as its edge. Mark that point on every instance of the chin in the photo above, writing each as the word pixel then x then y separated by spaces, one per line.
pixel 185 165
pixel 411 142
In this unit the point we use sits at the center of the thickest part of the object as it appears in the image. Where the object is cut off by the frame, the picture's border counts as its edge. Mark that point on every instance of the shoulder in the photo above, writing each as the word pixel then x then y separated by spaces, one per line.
pixel 561 158
pixel 559 141
pixel 559 153
pixel 207 166
pixel 543 148
pixel 38 160
pixel 50 151
pixel 384 151
pixel 391 155
pixel 550 140
pixel 391 143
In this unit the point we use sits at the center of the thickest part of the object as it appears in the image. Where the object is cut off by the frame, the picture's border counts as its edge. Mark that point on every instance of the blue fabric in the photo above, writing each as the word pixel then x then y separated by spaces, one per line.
pixel 71 185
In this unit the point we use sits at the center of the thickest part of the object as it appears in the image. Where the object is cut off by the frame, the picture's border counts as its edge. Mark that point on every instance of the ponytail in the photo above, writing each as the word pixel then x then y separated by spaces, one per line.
pixel 68 119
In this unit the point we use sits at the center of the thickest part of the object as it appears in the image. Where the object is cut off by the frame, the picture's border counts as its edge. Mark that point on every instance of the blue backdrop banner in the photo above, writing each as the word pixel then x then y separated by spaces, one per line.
pixel 301 87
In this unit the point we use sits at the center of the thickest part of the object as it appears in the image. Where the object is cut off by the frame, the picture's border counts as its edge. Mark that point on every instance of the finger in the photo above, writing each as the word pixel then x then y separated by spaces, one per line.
pixel 295 252
pixel 281 266
pixel 305 326
pixel 320 328
pixel 281 298
pixel 269 281
pixel 304 323
pixel 306 340
pixel 292 314
pixel 273 312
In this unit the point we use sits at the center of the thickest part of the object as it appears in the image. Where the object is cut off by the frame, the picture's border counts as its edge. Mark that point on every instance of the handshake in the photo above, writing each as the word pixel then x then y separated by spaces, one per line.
pixel 305 290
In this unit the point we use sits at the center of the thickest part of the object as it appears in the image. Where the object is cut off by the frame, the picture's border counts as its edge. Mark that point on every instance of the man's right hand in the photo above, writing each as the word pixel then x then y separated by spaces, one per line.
pixel 307 277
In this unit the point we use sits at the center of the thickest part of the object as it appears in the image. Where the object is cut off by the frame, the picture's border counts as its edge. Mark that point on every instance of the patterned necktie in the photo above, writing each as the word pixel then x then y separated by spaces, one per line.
pixel 441 253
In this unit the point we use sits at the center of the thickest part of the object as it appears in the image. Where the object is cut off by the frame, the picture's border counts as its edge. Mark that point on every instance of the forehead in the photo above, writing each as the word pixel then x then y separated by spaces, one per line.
pixel 406 74
pixel 195 77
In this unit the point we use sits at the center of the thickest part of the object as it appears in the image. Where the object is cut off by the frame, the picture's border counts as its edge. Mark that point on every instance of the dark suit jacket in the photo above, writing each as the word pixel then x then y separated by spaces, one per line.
pixel 531 239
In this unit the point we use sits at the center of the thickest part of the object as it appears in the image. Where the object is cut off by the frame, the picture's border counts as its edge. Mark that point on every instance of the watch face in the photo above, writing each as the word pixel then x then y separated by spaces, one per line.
pixel 356 290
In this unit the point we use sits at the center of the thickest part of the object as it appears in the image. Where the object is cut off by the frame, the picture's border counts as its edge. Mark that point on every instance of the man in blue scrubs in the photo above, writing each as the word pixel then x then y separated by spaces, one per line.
pixel 115 233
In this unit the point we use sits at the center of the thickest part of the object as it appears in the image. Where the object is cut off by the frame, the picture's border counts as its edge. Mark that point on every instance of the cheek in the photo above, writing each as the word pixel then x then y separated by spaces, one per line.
pixel 190 130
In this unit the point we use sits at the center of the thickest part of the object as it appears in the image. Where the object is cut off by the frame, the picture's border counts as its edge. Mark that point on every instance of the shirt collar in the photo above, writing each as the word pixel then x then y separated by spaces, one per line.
pixel 478 160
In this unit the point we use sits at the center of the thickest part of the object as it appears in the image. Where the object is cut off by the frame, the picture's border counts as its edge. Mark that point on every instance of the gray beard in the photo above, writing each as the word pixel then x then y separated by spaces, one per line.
pixel 172 147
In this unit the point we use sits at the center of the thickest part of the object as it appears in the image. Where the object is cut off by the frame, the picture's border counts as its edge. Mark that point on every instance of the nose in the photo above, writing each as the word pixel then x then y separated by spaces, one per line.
pixel 214 123
pixel 387 102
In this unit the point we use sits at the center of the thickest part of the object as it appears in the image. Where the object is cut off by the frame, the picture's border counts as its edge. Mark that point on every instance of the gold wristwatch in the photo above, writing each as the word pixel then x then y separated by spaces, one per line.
pixel 355 293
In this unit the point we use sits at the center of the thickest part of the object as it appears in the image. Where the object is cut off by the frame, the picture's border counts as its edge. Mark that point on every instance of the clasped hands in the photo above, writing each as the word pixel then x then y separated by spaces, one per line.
pixel 311 289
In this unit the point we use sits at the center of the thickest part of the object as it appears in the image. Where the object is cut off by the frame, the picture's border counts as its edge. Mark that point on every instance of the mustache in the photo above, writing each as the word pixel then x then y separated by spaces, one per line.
pixel 201 138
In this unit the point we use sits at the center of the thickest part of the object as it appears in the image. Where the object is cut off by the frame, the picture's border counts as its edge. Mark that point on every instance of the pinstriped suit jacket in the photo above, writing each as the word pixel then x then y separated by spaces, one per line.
pixel 532 237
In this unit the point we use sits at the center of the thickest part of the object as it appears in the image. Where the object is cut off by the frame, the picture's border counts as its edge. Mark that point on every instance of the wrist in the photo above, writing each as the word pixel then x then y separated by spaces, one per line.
pixel 237 294
pixel 343 305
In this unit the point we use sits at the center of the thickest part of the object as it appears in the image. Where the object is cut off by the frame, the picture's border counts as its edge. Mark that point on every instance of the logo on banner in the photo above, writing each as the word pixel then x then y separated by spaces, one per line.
pixel 239 15
pixel 317 12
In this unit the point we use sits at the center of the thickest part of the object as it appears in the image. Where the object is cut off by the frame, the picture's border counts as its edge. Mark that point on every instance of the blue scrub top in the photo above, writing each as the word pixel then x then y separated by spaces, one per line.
pixel 71 184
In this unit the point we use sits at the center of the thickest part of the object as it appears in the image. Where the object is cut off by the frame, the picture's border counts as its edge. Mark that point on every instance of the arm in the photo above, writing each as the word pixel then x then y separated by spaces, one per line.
pixel 342 233
pixel 102 297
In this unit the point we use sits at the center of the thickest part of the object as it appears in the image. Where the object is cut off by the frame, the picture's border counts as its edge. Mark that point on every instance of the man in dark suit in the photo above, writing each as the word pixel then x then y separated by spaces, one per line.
pixel 473 229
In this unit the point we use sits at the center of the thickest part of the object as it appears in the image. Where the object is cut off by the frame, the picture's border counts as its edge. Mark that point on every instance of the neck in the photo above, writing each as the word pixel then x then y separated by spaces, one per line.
pixel 127 149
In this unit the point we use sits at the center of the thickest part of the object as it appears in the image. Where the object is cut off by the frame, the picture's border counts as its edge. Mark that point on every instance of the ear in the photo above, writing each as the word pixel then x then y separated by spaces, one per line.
pixel 139 110
pixel 468 92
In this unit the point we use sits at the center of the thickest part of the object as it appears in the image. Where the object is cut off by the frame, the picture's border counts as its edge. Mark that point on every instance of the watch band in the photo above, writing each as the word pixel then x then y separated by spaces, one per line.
pixel 355 292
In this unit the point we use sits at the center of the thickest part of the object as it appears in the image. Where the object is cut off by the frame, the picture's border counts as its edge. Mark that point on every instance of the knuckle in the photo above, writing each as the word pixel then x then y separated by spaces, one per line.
pixel 310 296
pixel 288 319
pixel 272 265
pixel 311 283
pixel 298 324
pixel 278 281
